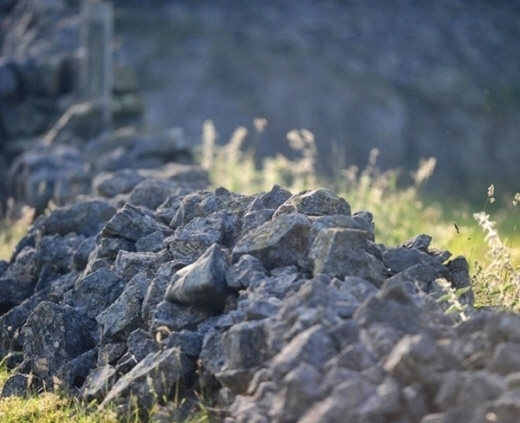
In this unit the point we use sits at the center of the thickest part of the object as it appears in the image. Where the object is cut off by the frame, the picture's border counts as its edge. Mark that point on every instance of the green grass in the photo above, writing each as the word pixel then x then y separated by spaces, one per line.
pixel 492 249
pixel 12 230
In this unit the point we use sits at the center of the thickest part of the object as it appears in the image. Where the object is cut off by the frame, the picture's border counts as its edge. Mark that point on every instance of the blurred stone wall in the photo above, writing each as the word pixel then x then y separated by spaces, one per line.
pixel 414 79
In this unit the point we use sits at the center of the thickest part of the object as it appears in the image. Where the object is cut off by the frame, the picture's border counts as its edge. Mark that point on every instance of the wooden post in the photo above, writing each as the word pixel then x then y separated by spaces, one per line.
pixel 96 69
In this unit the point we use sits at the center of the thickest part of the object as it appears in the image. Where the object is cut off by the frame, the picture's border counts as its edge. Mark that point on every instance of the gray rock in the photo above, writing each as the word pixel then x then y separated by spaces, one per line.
pixel 11 338
pixel 81 253
pixel 56 251
pixel 109 248
pixel 401 258
pixel 467 389
pixel 312 346
pixel 345 404
pixel 85 218
pixel 245 272
pixel 9 82
pixel 176 317
pixel 155 378
pixel 355 357
pixel 269 200
pixel 190 208
pixel 141 343
pixel 418 358
pixel 188 342
pixel 154 295
pixel 392 306
pixel 245 345
pixel 19 280
pixel 150 243
pixel 280 242
pixel 54 335
pixel 459 277
pixel 502 327
pixel 420 242
pixel 94 293
pixel 17 385
pixel 98 383
pixel 110 184
pixel 342 252
pixel 151 193
pixel 128 264
pixel 124 315
pixel 318 202
pixel 505 408
pixel 415 402
pixel 109 354
pixel 300 388
pixel 505 359
pixel 256 218
pixel 132 223
pixel 167 210
pixel 72 375
pixel 202 283
pixel 190 241
pixel 211 356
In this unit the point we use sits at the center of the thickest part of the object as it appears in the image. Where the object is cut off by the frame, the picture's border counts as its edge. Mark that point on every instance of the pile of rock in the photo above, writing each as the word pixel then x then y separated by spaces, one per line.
pixel 276 307
pixel 40 66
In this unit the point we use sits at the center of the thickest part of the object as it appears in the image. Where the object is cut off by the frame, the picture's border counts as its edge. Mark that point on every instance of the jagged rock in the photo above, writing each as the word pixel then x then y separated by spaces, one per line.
pixel 57 252
pixel 300 389
pixel 189 343
pixel 132 223
pixel 318 202
pixel 458 269
pixel 128 264
pixel 154 378
pixel 244 272
pixel 82 252
pixel 16 385
pixel 280 242
pixel 200 233
pixel 312 346
pixel 123 316
pixel 150 243
pixel 98 383
pixel 505 359
pixel 176 316
pixel 110 184
pixel 306 319
pixel 15 290
pixel 54 335
pixel 95 292
pixel 85 218
pixel 342 252
pixel 202 283
pixel 109 354
pixel 60 174
pixel 167 210
pixel 270 200
pixel 72 375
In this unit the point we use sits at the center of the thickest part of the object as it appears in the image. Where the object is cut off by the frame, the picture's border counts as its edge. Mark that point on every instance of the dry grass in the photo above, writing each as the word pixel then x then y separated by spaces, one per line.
pixel 399 213
pixel 12 230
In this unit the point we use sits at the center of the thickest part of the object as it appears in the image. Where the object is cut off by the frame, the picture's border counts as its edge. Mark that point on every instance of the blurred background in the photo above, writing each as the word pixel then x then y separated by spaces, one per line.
pixel 413 79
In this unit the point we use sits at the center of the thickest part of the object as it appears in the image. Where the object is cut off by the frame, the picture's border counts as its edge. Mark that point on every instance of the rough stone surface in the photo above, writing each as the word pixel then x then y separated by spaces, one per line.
pixel 302 319
pixel 202 283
